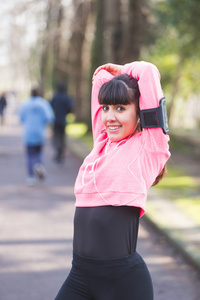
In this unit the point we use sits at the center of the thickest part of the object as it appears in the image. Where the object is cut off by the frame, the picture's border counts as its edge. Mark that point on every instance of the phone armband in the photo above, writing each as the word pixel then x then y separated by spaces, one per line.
pixel 155 117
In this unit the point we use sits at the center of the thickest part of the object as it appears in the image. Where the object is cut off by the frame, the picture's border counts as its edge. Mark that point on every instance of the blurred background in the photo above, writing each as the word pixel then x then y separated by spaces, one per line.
pixel 46 41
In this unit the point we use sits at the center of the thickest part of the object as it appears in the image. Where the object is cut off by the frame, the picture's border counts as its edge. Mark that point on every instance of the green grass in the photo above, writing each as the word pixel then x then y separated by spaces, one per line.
pixel 176 179
pixel 88 139
pixel 76 130
pixel 80 130
pixel 191 206
pixel 183 190
pixel 179 182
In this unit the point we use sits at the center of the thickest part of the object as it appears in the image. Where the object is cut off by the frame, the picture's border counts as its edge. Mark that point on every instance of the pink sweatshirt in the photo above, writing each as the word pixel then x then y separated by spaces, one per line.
pixel 120 173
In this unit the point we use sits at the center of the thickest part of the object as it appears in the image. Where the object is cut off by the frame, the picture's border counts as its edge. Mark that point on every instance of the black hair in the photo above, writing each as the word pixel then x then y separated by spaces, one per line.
pixel 35 92
pixel 61 87
pixel 122 89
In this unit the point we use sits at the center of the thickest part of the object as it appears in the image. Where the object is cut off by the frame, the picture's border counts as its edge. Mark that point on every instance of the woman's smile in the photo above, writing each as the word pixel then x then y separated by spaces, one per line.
pixel 113 127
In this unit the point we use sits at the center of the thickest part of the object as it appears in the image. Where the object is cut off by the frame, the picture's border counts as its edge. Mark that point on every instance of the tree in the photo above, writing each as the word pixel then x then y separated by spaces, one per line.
pixel 120 31
pixel 178 20
pixel 51 46
pixel 133 31
pixel 82 10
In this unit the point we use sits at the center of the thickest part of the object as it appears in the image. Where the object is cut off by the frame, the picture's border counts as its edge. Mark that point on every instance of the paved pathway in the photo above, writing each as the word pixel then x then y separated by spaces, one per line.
pixel 36 225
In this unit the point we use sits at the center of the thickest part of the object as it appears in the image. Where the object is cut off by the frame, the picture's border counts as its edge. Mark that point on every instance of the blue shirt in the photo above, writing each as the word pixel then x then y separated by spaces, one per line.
pixel 35 113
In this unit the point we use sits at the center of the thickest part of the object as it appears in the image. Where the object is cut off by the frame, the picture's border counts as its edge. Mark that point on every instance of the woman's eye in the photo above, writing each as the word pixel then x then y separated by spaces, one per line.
pixel 120 108
pixel 104 108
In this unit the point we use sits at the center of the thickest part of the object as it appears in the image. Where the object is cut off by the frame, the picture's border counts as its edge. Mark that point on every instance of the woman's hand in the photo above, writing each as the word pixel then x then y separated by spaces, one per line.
pixel 111 68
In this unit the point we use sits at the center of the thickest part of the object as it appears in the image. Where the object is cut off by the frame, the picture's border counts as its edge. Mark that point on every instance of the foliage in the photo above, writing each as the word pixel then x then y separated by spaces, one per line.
pixel 176 51
pixel 66 40
pixel 180 19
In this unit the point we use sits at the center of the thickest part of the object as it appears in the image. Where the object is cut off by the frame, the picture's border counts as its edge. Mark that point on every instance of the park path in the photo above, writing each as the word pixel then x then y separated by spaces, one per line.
pixel 36 225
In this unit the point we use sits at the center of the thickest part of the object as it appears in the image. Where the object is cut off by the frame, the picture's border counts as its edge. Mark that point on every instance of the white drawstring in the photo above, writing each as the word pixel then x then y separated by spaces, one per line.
pixel 93 163
pixel 83 176
pixel 131 173
pixel 106 200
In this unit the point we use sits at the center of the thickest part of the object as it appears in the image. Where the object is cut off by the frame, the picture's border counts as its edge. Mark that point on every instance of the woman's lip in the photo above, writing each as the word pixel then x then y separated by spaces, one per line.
pixel 113 127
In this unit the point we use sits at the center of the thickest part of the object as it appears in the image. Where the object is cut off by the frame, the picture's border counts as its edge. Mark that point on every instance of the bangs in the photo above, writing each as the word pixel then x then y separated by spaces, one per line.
pixel 114 92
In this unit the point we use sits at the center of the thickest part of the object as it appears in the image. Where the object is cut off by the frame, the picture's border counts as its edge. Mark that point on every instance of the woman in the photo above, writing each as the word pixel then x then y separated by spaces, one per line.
pixel 111 187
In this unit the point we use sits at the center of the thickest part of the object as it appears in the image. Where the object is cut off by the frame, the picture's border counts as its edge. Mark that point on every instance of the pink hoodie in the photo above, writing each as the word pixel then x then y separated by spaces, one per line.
pixel 120 173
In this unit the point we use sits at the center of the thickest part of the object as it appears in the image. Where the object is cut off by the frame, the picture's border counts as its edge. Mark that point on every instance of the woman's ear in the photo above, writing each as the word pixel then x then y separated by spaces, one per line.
pixel 138 120
pixel 138 125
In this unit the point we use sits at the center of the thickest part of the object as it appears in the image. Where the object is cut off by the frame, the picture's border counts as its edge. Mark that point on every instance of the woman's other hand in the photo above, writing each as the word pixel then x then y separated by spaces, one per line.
pixel 111 68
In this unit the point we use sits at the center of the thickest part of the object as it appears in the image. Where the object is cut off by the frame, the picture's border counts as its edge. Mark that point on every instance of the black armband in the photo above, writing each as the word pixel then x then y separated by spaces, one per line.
pixel 155 117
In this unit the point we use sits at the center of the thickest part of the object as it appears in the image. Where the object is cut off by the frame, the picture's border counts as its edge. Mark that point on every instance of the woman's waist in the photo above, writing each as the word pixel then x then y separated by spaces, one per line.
pixel 95 198
pixel 86 262
pixel 106 231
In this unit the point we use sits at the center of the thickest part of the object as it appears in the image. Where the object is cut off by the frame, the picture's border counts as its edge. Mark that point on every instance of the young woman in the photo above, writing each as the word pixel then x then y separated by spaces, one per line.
pixel 111 187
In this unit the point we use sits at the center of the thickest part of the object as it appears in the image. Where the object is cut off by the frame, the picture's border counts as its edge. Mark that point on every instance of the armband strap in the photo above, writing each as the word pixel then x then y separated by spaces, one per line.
pixel 155 117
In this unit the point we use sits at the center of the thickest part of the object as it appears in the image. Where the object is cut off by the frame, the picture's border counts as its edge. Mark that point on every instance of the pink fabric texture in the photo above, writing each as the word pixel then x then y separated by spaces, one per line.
pixel 122 174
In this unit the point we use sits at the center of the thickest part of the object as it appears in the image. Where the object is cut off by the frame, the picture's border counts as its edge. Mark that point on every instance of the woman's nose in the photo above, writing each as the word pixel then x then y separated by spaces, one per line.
pixel 111 115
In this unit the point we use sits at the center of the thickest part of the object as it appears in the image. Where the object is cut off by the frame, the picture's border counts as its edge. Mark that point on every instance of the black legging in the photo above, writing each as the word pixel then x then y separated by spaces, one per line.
pixel 125 278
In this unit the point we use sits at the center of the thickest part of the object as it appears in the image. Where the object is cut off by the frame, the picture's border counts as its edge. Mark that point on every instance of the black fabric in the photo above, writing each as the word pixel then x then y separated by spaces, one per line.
pixel 151 118
pixel 125 278
pixel 155 117
pixel 34 149
pixel 3 104
pixel 62 105
pixel 105 231
pixel 59 141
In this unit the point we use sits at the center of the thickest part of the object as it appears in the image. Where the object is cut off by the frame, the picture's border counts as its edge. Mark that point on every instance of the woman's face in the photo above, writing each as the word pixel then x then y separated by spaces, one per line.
pixel 119 120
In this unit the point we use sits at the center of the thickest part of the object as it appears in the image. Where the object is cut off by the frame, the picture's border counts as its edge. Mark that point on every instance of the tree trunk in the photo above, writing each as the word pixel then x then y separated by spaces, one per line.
pixel 50 58
pixel 133 30
pixel 45 50
pixel 75 51
pixel 97 52
pixel 58 73
pixel 107 41
pixel 112 30
pixel 175 90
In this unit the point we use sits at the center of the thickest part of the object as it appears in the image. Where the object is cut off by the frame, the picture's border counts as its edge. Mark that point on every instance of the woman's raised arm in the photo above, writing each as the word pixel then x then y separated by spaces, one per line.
pixel 148 81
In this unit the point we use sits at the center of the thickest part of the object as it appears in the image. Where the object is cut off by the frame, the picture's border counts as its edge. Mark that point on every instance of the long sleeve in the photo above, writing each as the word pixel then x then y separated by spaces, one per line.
pixel 21 112
pixel 155 141
pixel 50 113
pixel 148 81
pixel 48 110
pixel 123 175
